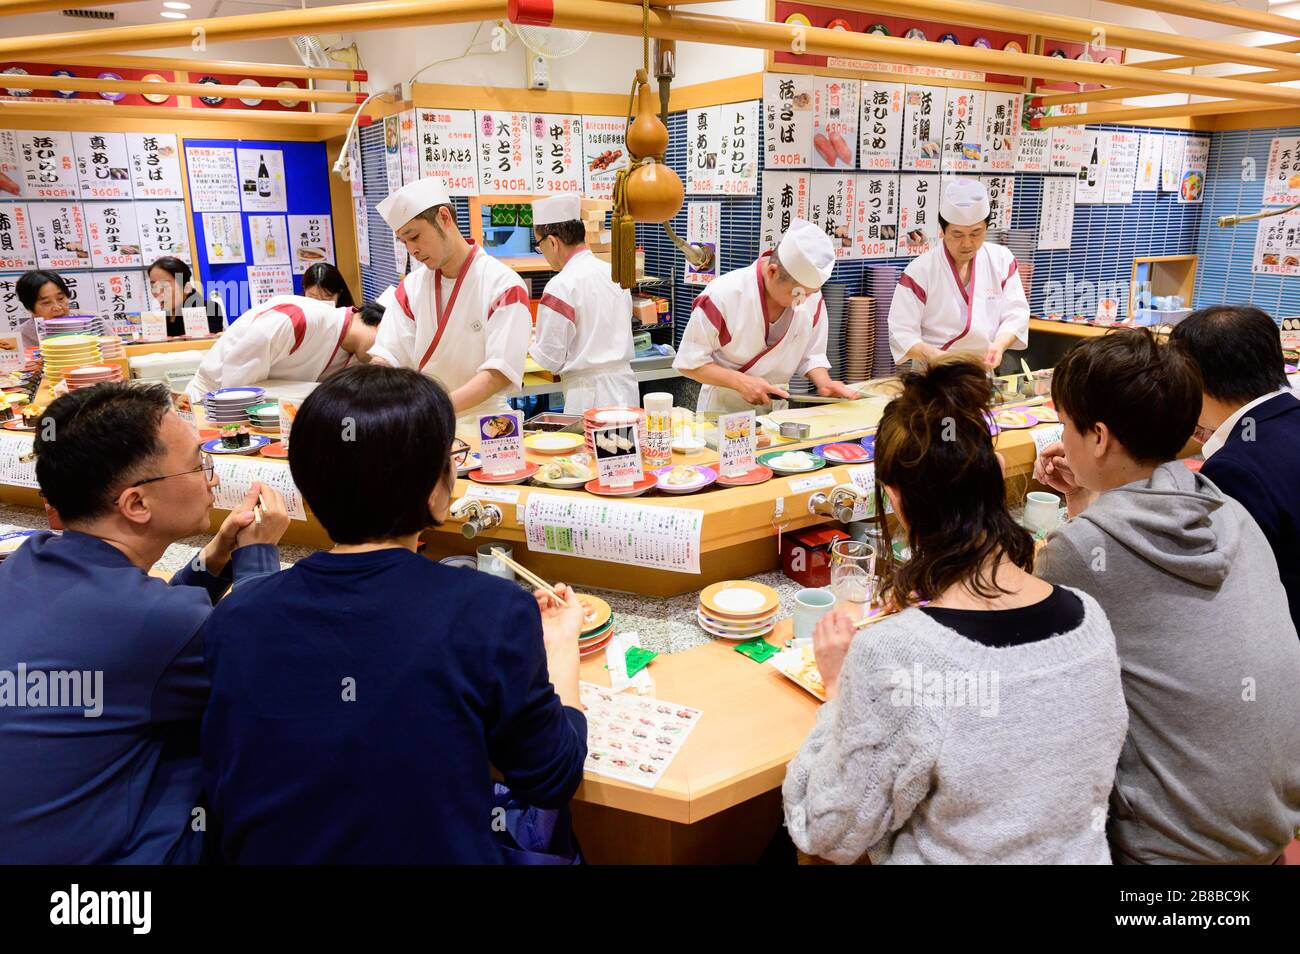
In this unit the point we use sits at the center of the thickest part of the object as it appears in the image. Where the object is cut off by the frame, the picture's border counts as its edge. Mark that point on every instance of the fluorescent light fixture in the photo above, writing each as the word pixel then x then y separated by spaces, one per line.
pixel 174 16
pixel 176 5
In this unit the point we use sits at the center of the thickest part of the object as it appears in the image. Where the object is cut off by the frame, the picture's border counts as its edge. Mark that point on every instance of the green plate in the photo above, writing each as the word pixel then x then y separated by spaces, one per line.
pixel 766 461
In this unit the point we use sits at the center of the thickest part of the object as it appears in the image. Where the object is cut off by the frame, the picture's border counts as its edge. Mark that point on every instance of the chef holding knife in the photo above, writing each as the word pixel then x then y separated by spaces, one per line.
pixel 754 328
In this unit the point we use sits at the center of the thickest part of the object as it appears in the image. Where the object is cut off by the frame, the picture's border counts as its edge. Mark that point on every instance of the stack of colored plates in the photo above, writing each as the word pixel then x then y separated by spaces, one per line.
pixel 66 352
pixel 597 625
pixel 265 417
pixel 69 325
pixel 882 282
pixel 834 296
pixel 738 609
pixel 861 339
pixel 230 405
pixel 110 348
pixel 92 374
pixel 612 417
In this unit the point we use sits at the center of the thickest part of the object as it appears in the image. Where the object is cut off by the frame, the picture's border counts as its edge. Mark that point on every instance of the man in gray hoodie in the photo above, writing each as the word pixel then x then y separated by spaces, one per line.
pixel 1210 771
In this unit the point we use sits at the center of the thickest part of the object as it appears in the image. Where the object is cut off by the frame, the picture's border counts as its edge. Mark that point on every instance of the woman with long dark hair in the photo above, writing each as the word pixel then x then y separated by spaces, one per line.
pixel 984 725
pixel 324 282
pixel 171 284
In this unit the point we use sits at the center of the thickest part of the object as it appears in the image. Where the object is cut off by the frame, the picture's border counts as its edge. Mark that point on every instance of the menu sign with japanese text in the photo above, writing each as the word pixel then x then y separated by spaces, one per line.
pixel 1001 130
pixel 163 230
pixel 603 154
pixel 963 131
pixel 448 148
pixel 505 153
pixel 49 166
pixel 738 149
pixel 1001 191
pixel 311 240
pixel 1277 245
pixel 214 179
pixel 120 295
pixel 17 253
pixel 1056 221
pixel 880 127
pixel 785 198
pixel 103 166
pixel 877 212
pixel 1282 180
pixel 832 207
pixel 1196 162
pixel 923 122
pixel 155 166
pixel 114 234
pixel 59 234
pixel 701 149
pixel 704 228
pixel 557 153
pixel 835 123
pixel 918 214
pixel 788 121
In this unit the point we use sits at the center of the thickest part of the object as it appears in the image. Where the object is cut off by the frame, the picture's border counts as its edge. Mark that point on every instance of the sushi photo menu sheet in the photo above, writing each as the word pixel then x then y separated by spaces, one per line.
pixel 663 538
pixel 633 738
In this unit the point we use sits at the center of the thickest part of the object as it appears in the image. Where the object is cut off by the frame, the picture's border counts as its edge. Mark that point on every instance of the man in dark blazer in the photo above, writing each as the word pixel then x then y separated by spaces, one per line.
pixel 1250 424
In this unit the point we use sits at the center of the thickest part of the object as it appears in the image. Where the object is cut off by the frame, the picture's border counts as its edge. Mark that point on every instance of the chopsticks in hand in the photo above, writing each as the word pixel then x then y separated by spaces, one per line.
pixel 528 575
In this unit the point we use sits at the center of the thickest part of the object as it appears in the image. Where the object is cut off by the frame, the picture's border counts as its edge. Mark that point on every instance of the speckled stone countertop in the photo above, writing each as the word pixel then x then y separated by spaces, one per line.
pixel 663 624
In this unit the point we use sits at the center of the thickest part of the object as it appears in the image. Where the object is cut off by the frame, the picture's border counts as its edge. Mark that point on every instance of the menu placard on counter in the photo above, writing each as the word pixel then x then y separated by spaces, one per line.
pixel 11 353
pixel 618 455
pixel 153 326
pixel 880 127
pixel 863 478
pixel 103 166
pixel 662 538
pixel 633 738
pixel 238 474
pixel 737 440
pixel 501 450
pixel 14 471
pixel 1282 180
pixel 196 321
pixel 923 120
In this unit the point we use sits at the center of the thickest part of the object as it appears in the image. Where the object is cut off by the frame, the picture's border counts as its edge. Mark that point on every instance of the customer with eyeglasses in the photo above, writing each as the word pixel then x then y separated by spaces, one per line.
pixel 102 683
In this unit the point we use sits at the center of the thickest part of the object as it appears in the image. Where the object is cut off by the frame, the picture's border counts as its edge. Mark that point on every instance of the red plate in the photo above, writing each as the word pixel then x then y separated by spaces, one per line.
pixel 597 647
pixel 640 487
pixel 519 476
pixel 16 425
pixel 758 474
pixel 275 450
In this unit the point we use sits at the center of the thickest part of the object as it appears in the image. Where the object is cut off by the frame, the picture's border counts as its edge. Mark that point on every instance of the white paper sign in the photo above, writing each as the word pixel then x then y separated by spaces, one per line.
pixel 1001 191
pixel 785 198
pixel 195 318
pixel 49 165
pixel 923 121
pixel 1196 162
pixel 1282 180
pixel 501 448
pixel 448 148
pixel 393 152
pixel 702 127
pixel 1277 246
pixel 1001 130
pixel 1033 150
pixel 880 125
pixel 14 470
pixel 918 214
pixel 618 455
pixel 1046 436
pixel 361 224
pixel 863 478
pixel 163 230
pixel 557 154
pixel 224 237
pixel 603 154
pixel 636 761
pixel 270 239
pixel 1070 148
pixel 832 207
pixel 114 234
pixel 11 353
pixel 788 121
pixel 835 123
pixel 17 253
pixel 12 312
pixel 663 538
pixel 238 474
pixel 963 131
pixel 1171 162
pixel 736 442
pixel 877 214
pixel 1056 222
pixel 120 295
pixel 103 166
pixel 704 227
pixel 799 485
pixel 261 180
pixel 267 281
pixel 409 145
pixel 10 167
pixel 738 149
pixel 354 167
pixel 155 166
pixel 153 326
pixel 214 179
pixel 505 153
pixel 1148 170
pixel 1091 187
pixel 311 240
pixel 59 234
pixel 1121 174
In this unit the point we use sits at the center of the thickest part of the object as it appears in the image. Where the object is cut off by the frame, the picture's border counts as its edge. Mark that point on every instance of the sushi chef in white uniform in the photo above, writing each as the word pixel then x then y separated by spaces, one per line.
pixel 461 316
pixel 963 295
pixel 753 329
pixel 584 320
pixel 288 338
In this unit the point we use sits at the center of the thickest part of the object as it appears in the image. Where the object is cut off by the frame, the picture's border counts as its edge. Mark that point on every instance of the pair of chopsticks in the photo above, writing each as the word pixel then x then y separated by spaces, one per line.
pixel 528 575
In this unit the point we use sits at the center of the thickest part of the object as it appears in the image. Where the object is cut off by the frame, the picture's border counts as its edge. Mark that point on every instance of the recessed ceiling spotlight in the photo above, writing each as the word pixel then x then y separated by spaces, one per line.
pixel 173 16
pixel 176 5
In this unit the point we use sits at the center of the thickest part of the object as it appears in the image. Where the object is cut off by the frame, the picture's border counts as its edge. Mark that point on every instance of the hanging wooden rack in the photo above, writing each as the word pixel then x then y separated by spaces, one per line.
pixel 273 93
pixel 278 70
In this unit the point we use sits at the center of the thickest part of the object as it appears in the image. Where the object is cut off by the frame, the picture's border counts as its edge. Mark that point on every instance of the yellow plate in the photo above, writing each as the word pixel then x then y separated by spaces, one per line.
pixel 597 612
pixel 553 443
pixel 739 600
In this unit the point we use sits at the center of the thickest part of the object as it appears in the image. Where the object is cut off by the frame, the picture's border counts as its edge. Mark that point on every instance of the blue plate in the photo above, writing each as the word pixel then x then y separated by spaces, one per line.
pixel 255 443
pixel 869 445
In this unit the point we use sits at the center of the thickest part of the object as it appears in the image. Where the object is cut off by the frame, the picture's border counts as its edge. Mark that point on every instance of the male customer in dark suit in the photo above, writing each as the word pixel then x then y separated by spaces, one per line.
pixel 1250 424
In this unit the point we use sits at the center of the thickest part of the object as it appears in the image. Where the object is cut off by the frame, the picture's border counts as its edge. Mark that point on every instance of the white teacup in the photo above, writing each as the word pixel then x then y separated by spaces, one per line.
pixel 1042 511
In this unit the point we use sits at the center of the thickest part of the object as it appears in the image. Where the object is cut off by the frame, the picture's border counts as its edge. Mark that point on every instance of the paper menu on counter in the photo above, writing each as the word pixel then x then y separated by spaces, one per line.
pixel 238 474
pixel 662 538
pixel 863 477
pixel 195 318
pixel 737 439
pixel 633 738
pixel 501 450
pixel 618 455
pixel 14 471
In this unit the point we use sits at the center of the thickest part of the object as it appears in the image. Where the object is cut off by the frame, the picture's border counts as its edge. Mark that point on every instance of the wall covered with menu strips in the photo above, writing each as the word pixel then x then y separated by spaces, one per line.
pixel 1233 185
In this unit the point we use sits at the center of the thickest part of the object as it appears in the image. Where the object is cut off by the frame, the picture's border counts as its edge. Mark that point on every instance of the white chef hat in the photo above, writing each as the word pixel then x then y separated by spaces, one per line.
pixel 807 254
pixel 412 199
pixel 964 202
pixel 557 208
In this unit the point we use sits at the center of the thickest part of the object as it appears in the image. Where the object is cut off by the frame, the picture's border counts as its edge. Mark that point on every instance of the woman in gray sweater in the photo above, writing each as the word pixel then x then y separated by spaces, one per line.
pixel 984 725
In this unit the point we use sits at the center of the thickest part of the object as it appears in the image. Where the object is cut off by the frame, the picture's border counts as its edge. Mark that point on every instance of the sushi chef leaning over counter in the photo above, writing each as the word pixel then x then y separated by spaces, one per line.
pixel 461 316
pixel 584 320
pixel 965 294
pixel 753 329
pixel 290 338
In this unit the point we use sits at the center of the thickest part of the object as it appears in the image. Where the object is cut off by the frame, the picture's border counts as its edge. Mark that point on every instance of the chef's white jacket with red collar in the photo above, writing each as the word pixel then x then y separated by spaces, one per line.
pixel 584 334
pixel 451 329
pixel 728 327
pixel 287 337
pixel 931 305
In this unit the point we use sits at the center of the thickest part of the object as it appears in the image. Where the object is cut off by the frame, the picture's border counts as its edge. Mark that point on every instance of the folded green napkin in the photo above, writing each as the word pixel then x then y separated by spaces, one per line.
pixel 757 649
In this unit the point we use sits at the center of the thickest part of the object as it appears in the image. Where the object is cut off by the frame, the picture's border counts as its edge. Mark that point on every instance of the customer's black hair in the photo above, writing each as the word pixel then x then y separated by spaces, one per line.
pixel 93 442
pixel 1148 394
pixel 30 285
pixel 326 276
pixel 1238 350
pixel 173 266
pixel 371 313
pixel 572 232
pixel 369 446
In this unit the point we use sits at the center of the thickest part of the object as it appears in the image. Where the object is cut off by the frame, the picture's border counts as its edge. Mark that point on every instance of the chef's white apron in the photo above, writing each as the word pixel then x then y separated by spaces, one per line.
pixel 607 386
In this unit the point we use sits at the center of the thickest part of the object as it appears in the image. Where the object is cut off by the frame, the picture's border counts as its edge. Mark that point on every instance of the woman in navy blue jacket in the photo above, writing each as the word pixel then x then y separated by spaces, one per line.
pixel 360 698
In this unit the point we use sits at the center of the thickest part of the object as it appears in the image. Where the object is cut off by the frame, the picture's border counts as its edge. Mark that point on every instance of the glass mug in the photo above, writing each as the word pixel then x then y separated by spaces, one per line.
pixel 853 576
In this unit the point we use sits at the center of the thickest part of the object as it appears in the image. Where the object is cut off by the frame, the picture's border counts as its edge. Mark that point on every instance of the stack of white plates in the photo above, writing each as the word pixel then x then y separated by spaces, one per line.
pixel 69 325
pixel 882 282
pixel 93 374
pixel 834 296
pixel 65 352
pixel 230 405
pixel 861 338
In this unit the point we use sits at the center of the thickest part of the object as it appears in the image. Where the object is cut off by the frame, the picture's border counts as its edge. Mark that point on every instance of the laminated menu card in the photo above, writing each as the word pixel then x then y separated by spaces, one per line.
pixel 633 738
pixel 502 446
pixel 736 441
pixel 618 455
